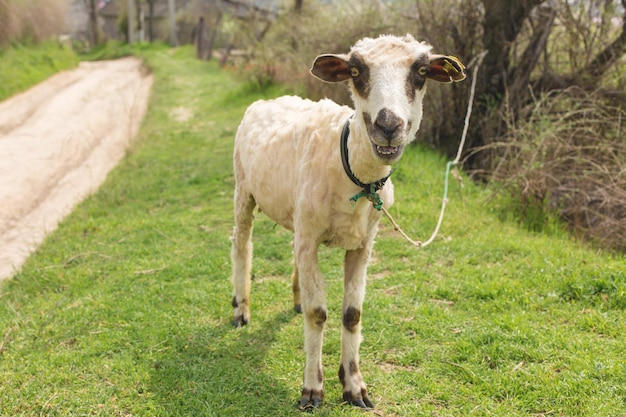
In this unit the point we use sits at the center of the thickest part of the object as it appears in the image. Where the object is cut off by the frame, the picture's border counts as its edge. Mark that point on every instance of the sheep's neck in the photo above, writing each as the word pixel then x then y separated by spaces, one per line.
pixel 365 166
pixel 369 190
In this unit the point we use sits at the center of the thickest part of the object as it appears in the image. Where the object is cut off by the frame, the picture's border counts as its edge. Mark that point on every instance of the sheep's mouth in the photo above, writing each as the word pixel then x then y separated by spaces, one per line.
pixel 388 153
pixel 386 150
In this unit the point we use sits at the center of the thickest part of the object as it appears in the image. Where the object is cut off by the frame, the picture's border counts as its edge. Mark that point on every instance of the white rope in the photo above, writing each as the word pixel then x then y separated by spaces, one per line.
pixel 477 61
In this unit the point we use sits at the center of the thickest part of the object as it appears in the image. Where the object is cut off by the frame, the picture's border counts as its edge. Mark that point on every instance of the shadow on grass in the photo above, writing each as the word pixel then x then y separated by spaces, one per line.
pixel 221 371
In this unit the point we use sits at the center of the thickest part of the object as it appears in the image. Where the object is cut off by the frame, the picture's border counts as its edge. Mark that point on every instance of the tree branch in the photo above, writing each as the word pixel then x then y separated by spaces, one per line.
pixel 605 59
pixel 520 76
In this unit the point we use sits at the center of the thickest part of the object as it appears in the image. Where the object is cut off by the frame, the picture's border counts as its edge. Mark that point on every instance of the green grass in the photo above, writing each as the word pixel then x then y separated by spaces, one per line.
pixel 125 309
pixel 22 66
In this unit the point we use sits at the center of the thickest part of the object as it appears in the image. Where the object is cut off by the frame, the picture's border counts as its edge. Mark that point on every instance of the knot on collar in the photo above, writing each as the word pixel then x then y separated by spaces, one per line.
pixel 370 190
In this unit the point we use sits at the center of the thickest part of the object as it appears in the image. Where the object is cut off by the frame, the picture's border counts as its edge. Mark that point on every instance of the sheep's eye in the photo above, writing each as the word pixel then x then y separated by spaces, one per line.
pixel 354 72
pixel 423 70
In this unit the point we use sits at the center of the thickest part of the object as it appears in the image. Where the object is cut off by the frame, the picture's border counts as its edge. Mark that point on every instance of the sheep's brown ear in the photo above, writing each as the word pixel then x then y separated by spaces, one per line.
pixel 331 68
pixel 446 69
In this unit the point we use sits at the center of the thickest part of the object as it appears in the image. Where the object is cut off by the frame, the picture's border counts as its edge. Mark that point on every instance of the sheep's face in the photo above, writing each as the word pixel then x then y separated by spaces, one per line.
pixel 387 77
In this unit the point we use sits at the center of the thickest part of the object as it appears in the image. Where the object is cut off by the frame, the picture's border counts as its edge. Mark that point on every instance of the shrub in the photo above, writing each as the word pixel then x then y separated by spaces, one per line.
pixel 31 20
pixel 568 156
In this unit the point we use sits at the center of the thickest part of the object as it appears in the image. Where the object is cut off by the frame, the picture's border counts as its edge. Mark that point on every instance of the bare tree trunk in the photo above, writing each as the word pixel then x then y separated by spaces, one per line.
pixel 93 23
pixel 298 5
pixel 131 21
pixel 503 22
pixel 213 34
pixel 5 22
pixel 520 76
pixel 171 6
pixel 151 20
pixel 198 38
pixel 140 18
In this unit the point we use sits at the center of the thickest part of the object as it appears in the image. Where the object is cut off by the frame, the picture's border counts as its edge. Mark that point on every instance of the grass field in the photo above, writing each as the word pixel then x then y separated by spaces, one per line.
pixel 22 66
pixel 125 310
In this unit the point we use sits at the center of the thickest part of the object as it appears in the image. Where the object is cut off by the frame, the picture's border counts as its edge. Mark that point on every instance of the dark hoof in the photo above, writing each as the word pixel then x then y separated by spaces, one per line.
pixel 310 400
pixel 363 403
pixel 310 405
pixel 298 308
pixel 239 321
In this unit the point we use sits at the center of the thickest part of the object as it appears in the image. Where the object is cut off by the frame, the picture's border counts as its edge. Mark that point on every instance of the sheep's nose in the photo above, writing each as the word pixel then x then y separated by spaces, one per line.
pixel 388 123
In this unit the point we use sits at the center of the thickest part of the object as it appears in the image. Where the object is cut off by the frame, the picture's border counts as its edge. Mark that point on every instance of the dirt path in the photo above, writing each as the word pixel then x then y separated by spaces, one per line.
pixel 58 141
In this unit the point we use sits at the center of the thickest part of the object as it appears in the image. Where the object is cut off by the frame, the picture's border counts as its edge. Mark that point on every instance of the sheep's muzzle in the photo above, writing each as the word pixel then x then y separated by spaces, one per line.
pixel 387 135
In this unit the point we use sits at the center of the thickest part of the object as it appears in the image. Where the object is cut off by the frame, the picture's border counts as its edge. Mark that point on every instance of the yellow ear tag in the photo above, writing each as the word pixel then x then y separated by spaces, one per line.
pixel 447 67
pixel 458 62
pixel 454 67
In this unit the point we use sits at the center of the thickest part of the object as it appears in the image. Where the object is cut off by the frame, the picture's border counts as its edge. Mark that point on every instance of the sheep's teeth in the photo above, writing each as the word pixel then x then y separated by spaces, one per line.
pixel 386 150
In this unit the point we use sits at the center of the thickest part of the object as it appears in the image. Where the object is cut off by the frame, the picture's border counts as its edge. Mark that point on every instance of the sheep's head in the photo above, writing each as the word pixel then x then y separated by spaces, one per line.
pixel 387 77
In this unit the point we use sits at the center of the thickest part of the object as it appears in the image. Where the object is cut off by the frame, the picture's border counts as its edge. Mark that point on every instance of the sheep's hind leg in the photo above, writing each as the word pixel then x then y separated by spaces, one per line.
pixel 241 255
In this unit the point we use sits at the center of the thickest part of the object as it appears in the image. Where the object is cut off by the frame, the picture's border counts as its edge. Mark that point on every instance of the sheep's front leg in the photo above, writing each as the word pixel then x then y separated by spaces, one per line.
pixel 295 287
pixel 314 309
pixel 355 269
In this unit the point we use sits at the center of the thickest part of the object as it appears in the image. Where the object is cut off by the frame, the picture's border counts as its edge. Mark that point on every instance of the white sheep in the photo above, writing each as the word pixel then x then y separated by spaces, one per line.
pixel 321 170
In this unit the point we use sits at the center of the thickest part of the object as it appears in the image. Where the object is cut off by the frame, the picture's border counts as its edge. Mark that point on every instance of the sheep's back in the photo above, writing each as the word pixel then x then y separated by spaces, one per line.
pixel 288 149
